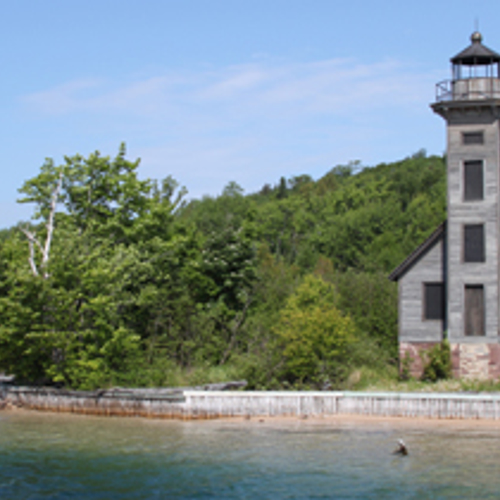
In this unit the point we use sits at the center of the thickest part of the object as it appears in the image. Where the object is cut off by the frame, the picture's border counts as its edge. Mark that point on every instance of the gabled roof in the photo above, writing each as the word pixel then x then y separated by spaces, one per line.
pixel 476 53
pixel 418 253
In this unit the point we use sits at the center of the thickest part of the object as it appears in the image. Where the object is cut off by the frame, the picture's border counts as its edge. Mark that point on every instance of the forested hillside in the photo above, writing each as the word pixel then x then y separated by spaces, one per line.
pixel 120 281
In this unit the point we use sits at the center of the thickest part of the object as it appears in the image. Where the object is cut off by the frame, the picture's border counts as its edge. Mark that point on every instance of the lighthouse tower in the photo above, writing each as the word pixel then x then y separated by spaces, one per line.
pixel 470 104
pixel 449 286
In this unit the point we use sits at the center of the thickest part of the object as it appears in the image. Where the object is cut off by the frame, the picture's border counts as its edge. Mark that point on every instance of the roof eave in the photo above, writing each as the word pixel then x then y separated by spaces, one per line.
pixel 418 253
pixel 476 51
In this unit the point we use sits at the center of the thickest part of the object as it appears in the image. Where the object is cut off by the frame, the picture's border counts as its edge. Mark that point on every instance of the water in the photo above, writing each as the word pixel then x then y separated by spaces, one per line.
pixel 50 456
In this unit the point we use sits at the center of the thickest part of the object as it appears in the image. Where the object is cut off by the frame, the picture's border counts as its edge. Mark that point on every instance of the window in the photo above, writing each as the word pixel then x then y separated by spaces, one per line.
pixel 474 310
pixel 473 137
pixel 473 180
pixel 433 301
pixel 474 243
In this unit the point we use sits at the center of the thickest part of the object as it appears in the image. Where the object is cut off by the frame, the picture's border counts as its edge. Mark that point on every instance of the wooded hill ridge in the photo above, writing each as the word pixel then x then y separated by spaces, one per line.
pixel 120 282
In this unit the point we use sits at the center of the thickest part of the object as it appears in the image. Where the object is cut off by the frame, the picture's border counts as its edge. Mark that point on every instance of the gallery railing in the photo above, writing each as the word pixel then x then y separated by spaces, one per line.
pixel 470 89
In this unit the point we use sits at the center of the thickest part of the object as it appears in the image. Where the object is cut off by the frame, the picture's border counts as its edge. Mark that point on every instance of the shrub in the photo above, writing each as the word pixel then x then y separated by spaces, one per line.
pixel 406 362
pixel 313 336
pixel 437 362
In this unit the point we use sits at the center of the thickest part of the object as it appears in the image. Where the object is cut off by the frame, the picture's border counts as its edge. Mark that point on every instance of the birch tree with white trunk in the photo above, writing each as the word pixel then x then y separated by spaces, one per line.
pixel 34 242
pixel 45 191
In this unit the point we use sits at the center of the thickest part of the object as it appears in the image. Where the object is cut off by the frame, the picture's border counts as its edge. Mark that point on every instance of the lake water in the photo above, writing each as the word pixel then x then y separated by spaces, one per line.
pixel 51 456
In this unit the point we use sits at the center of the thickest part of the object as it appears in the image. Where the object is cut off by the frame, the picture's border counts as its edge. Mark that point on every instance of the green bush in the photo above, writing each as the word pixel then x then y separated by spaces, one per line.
pixel 313 336
pixel 437 362
pixel 406 362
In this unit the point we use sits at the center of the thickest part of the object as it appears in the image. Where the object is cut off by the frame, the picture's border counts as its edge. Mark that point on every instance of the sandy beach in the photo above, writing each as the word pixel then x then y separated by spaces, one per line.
pixel 334 421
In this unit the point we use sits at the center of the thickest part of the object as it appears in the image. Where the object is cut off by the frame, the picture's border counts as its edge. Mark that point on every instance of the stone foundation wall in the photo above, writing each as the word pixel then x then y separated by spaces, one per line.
pixel 415 352
pixel 476 361
pixel 469 361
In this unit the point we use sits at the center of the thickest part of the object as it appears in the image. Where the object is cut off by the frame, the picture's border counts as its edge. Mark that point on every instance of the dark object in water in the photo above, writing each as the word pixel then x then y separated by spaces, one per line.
pixel 401 449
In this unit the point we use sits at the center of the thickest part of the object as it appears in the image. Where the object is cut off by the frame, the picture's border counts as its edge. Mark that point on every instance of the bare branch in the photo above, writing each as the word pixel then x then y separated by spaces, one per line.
pixel 32 241
pixel 31 237
pixel 50 223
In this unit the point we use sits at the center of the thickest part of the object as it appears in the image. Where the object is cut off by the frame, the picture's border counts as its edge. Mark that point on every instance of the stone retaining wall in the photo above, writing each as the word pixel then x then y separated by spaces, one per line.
pixel 191 404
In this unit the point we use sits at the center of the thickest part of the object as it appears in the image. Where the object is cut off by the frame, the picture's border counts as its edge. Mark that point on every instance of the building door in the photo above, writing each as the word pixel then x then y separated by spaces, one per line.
pixel 474 310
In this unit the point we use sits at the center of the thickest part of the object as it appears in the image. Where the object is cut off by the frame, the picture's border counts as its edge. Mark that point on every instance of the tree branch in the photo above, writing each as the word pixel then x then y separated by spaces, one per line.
pixel 31 258
pixel 32 239
pixel 234 330
pixel 50 223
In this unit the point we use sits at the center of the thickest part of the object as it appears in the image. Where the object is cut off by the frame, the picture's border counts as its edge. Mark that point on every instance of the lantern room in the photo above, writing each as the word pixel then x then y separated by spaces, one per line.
pixel 475 74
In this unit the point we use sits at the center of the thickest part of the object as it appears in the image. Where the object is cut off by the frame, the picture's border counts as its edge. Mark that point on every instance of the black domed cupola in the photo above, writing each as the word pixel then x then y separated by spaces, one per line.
pixel 476 61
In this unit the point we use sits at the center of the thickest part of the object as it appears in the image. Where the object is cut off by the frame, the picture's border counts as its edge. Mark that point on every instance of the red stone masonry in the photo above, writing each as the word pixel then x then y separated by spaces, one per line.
pixel 473 361
pixel 415 350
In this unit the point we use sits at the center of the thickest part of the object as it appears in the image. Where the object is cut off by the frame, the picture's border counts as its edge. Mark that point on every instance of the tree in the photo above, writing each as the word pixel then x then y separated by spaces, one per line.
pixel 97 192
pixel 228 263
pixel 117 277
pixel 313 335
pixel 46 194
pixel 72 326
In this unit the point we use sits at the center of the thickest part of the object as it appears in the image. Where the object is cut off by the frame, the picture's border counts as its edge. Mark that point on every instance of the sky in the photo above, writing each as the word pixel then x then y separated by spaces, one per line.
pixel 214 91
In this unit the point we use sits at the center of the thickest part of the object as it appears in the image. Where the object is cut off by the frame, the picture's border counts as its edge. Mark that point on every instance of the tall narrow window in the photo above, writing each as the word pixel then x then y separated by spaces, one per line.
pixel 474 310
pixel 433 301
pixel 473 137
pixel 473 180
pixel 474 243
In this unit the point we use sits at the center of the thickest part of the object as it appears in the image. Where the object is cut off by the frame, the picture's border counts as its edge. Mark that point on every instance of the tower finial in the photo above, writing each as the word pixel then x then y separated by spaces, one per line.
pixel 476 37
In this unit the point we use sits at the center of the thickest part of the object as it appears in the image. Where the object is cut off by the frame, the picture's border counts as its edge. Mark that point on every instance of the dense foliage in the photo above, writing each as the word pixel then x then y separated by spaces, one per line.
pixel 438 362
pixel 121 281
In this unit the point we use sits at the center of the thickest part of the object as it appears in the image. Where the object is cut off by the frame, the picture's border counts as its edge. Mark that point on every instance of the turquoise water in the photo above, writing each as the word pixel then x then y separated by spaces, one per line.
pixel 50 456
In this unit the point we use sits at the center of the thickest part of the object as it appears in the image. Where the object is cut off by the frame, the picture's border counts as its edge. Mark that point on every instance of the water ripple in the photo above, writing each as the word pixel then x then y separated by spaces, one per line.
pixel 47 456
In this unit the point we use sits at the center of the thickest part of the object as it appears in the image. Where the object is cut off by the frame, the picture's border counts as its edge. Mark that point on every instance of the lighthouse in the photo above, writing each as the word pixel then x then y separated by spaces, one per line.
pixel 449 286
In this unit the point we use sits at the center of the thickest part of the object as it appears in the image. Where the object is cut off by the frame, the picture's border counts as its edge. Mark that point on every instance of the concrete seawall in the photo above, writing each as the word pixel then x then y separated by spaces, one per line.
pixel 192 404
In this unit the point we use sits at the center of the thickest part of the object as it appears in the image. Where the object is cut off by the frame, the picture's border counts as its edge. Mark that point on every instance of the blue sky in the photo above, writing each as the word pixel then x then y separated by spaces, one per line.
pixel 212 91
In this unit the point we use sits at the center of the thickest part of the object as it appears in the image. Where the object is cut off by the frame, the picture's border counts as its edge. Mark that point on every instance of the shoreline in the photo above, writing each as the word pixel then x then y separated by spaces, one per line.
pixel 209 405
pixel 333 421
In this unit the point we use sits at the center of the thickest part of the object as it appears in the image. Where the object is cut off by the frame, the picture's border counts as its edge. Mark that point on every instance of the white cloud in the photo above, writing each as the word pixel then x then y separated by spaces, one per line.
pixel 234 82
pixel 64 98
pixel 325 85
pixel 251 122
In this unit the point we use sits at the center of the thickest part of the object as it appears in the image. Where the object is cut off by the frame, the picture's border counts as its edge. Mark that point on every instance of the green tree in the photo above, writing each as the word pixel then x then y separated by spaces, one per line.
pixel 313 336
pixel 228 263
pixel 117 278
pixel 75 325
